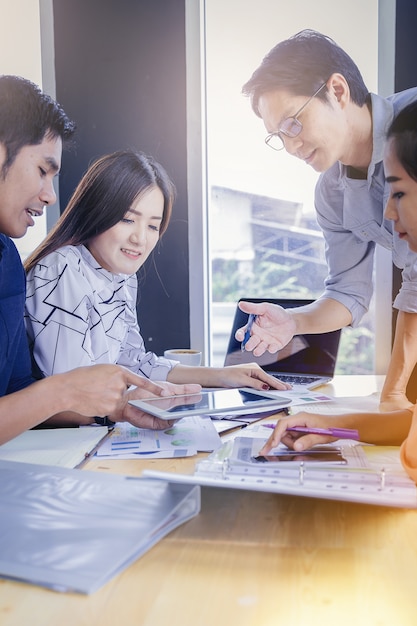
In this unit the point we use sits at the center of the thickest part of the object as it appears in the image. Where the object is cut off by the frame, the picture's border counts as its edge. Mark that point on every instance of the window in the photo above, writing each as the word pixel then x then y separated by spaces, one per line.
pixel 263 240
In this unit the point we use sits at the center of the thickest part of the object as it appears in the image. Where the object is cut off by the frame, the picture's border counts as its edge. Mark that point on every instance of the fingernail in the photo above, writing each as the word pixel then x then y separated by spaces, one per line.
pixel 265 386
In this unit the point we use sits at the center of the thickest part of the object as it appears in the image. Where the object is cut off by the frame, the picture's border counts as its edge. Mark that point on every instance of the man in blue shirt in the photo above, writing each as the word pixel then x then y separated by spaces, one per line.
pixel 33 129
pixel 315 105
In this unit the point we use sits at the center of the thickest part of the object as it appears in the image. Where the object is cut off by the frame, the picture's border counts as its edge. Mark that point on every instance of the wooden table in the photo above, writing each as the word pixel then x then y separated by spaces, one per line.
pixel 251 559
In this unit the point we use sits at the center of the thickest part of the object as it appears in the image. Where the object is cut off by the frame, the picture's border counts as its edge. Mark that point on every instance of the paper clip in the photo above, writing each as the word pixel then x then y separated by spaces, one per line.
pixel 225 468
pixel 382 476
pixel 301 472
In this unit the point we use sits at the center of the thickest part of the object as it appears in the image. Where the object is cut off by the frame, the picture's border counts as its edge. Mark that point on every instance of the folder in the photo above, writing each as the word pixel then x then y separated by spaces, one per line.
pixel 372 474
pixel 74 530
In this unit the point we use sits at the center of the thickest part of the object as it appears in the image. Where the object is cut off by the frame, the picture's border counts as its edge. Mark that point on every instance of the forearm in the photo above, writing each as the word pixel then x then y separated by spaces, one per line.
pixel 382 429
pixel 375 428
pixel 323 315
pixel 409 451
pixel 403 357
pixel 31 406
pixel 205 376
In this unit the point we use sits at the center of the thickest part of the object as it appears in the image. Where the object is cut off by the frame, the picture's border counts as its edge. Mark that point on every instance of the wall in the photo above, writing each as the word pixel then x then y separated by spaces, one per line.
pixel 20 54
pixel 120 74
pixel 405 45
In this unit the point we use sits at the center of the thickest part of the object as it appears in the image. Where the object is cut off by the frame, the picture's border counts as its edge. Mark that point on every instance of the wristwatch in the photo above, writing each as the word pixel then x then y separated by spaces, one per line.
pixel 104 421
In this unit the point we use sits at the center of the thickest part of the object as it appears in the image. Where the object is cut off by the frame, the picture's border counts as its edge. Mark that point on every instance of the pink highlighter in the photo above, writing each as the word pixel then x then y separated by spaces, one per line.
pixel 340 433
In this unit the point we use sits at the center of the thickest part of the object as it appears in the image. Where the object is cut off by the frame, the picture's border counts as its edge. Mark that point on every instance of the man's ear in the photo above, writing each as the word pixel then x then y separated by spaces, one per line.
pixel 338 88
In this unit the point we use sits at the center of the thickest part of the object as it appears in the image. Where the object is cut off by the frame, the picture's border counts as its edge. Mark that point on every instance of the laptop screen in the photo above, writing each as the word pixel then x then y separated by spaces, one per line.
pixel 304 354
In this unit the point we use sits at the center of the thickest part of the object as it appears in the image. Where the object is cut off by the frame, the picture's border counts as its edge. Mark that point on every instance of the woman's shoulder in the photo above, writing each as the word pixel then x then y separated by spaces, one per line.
pixel 56 261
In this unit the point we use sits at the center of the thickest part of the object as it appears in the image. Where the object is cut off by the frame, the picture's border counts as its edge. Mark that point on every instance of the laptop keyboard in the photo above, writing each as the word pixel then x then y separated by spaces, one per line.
pixel 298 380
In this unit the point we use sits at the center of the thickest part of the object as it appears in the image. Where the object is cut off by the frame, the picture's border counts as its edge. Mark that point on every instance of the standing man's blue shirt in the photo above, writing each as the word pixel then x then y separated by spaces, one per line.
pixel 350 212
pixel 15 362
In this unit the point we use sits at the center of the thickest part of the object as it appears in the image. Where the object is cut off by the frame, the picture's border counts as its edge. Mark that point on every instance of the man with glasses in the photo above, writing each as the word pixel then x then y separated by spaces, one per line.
pixel 290 126
pixel 315 105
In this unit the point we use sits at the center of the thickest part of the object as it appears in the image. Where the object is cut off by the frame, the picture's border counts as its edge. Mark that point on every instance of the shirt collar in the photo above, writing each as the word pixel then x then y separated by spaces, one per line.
pixel 382 116
pixel 91 261
pixel 382 111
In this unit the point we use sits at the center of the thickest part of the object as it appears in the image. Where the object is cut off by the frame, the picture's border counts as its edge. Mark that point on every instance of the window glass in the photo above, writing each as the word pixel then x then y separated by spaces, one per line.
pixel 263 237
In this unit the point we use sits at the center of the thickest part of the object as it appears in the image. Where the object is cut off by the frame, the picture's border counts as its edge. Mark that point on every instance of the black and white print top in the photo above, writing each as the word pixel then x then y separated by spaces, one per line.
pixel 78 313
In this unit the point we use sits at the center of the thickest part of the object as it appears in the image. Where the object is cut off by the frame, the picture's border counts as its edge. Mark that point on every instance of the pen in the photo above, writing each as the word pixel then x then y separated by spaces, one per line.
pixel 340 433
pixel 246 338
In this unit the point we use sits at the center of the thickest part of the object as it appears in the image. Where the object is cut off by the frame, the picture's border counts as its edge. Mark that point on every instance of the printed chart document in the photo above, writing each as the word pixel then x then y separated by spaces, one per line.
pixel 74 530
pixel 184 438
pixel 64 447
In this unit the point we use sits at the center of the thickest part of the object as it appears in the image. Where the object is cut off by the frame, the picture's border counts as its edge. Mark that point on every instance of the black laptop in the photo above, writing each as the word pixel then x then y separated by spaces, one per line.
pixel 307 360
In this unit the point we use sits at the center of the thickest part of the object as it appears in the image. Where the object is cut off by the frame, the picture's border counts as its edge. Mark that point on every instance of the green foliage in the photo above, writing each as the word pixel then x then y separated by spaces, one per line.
pixel 261 278
pixel 356 352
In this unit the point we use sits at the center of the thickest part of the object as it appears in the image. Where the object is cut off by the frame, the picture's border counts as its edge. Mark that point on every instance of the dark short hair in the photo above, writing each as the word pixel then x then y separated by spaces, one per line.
pixel 300 65
pixel 102 198
pixel 27 116
pixel 403 131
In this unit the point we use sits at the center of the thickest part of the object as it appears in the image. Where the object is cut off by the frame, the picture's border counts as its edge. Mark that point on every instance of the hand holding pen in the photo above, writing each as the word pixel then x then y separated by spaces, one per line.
pixel 304 430
pixel 251 320
pixel 275 327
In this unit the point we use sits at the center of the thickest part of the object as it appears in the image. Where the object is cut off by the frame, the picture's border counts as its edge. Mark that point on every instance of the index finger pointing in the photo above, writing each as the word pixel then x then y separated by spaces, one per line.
pixel 142 383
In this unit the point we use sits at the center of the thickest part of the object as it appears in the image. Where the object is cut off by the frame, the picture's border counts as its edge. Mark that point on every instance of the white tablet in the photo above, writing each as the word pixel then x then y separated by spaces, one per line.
pixel 211 401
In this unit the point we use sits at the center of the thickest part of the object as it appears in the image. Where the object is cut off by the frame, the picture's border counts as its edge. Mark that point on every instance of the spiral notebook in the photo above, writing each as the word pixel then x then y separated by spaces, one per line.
pixel 370 475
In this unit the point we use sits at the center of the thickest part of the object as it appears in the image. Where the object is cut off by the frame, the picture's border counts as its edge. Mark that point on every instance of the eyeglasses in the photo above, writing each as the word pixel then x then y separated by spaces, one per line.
pixel 290 127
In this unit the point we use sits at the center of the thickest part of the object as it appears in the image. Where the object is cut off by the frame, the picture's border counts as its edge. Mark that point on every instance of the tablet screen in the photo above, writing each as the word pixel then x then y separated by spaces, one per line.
pixel 330 456
pixel 210 401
